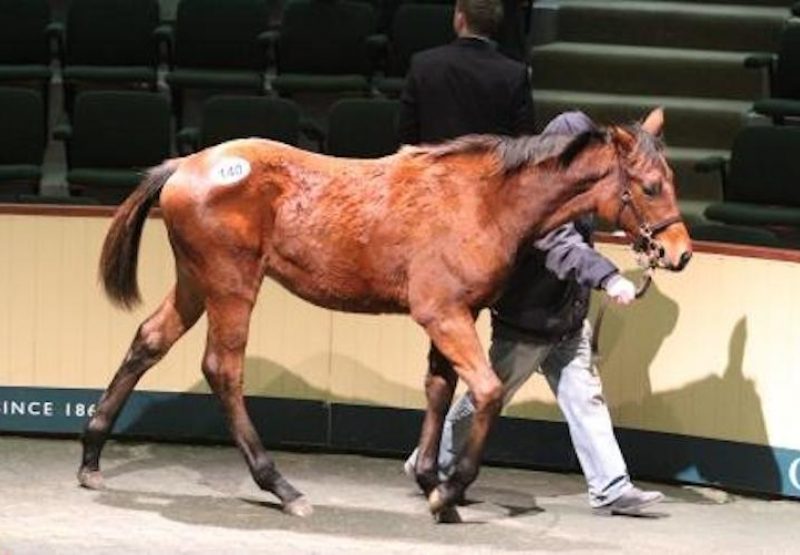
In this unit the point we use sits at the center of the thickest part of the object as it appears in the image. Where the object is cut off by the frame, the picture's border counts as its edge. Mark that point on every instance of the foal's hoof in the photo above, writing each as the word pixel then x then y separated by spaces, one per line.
pixel 443 513
pixel 436 501
pixel 448 515
pixel 299 507
pixel 91 479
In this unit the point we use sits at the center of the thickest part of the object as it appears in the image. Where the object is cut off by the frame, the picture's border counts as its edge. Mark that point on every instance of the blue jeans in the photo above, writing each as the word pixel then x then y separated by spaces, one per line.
pixel 567 365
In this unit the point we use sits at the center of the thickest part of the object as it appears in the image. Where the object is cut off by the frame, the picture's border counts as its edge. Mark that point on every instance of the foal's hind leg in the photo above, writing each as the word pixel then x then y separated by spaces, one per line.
pixel 228 322
pixel 178 312
pixel 440 383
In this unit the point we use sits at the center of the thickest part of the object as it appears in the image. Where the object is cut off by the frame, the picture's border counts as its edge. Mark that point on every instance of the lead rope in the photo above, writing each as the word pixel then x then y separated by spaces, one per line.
pixel 641 289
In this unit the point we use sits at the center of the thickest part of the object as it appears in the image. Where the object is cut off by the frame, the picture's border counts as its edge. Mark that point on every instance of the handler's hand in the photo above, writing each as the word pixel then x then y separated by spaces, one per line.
pixel 621 289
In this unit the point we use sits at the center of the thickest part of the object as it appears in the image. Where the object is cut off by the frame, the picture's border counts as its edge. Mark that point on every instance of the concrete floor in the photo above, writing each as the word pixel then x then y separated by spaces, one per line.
pixel 197 499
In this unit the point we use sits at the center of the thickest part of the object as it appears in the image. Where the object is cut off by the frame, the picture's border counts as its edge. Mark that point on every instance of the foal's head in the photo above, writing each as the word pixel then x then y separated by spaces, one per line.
pixel 638 194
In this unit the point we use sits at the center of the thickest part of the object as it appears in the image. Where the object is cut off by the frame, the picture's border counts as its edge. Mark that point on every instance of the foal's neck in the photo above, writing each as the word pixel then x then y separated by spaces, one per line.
pixel 543 197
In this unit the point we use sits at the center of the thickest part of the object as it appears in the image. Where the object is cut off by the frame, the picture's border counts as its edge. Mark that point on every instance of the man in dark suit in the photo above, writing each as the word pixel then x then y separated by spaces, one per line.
pixel 539 323
pixel 466 86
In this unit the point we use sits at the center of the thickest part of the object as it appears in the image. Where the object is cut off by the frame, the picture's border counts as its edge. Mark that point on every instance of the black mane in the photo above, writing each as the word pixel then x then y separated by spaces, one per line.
pixel 517 152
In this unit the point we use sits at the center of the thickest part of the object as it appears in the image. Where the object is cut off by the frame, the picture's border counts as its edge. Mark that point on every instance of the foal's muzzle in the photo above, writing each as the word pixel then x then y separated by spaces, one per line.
pixel 686 256
pixel 653 253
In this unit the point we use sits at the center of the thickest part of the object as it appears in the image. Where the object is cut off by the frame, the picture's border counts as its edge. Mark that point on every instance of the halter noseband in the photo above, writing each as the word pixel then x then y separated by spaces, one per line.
pixel 645 241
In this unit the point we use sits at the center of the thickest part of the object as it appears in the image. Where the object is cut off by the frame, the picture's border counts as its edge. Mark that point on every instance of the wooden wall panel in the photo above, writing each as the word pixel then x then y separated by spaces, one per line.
pixel 288 352
pixel 711 352
pixel 21 292
pixel 6 311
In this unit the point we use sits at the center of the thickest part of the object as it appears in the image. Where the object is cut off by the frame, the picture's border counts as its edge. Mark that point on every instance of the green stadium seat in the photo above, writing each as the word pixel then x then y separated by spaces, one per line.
pixel 761 184
pixel 415 27
pixel 217 45
pixel 227 117
pixel 783 70
pixel 362 128
pixel 26 38
pixel 322 46
pixel 742 235
pixel 55 199
pixel 22 141
pixel 113 136
pixel 385 10
pixel 110 42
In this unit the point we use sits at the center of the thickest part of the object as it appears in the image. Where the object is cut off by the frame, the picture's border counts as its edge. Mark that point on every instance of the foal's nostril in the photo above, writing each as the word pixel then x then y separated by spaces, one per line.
pixel 685 257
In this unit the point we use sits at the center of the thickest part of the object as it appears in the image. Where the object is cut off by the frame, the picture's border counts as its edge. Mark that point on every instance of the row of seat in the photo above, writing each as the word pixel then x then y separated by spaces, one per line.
pixel 356 127
pixel 113 135
pixel 331 46
pixel 760 180
pixel 783 75
pixel 760 199
pixel 321 45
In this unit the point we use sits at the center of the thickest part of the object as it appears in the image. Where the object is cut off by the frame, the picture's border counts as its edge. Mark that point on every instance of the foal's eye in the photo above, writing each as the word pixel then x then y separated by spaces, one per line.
pixel 652 188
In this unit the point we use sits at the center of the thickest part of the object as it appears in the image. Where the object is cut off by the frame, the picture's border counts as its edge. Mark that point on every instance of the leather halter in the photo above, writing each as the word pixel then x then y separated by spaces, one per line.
pixel 645 241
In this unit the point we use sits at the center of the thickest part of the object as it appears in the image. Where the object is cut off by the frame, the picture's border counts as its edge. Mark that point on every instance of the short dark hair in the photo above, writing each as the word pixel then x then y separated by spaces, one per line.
pixel 483 16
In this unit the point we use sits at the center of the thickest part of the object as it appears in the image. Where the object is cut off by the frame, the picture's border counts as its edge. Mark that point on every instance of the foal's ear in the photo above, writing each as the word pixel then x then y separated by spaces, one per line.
pixel 654 122
pixel 623 138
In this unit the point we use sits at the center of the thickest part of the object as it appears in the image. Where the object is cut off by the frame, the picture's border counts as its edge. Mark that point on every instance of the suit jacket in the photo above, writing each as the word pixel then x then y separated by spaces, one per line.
pixel 464 87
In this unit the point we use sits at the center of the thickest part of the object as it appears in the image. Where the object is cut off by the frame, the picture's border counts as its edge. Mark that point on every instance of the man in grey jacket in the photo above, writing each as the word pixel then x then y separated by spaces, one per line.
pixel 540 324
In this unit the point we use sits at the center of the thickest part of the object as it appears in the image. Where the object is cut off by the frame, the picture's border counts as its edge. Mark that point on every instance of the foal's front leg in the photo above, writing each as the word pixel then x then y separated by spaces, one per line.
pixel 452 330
pixel 223 364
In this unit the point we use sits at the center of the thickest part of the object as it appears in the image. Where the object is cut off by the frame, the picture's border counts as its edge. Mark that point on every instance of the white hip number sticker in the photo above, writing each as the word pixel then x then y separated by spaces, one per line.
pixel 230 170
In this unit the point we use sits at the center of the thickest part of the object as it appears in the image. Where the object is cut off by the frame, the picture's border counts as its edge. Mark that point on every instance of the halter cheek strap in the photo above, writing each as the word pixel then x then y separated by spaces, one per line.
pixel 645 240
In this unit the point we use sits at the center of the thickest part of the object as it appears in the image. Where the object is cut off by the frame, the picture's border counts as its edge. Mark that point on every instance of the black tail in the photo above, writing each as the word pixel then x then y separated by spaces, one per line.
pixel 120 254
